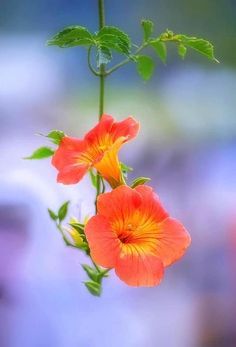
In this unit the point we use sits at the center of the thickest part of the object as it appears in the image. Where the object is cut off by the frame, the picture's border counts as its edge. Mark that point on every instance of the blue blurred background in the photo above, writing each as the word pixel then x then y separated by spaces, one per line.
pixel 186 145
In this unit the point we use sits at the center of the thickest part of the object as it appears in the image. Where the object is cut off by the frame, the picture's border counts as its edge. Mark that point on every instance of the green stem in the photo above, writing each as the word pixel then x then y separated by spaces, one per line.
pixel 102 73
pixel 127 60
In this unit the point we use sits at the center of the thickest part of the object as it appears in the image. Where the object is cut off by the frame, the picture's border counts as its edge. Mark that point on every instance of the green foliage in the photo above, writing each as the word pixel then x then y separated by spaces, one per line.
pixel 182 50
pixel 113 38
pixel 202 46
pixel 145 66
pixel 104 55
pixel 41 153
pixel 139 181
pixel 62 212
pixel 148 26
pixel 52 214
pixel 72 36
pixel 160 49
pixel 93 287
pixel 55 136
pixel 92 273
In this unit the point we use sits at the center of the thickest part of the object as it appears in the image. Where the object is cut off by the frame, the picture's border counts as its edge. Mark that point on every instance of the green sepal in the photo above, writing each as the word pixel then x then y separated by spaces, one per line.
pixel 93 287
pixel 92 273
pixel 139 181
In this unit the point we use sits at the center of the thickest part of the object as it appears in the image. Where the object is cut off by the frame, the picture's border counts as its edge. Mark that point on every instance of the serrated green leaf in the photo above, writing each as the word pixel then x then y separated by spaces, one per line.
pixel 145 67
pixel 41 153
pixel 92 273
pixel 72 36
pixel 202 46
pixel 93 287
pixel 160 49
pixel 182 50
pixel 147 28
pixel 62 212
pixel 56 136
pixel 52 214
pixel 113 38
pixel 139 181
pixel 104 55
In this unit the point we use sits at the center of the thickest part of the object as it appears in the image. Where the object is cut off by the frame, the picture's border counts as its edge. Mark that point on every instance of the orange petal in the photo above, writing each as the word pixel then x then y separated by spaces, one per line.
pixel 65 160
pixel 173 240
pixel 100 131
pixel 65 154
pixel 119 203
pixel 72 174
pixel 136 268
pixel 104 244
pixel 109 165
pixel 128 129
pixel 151 204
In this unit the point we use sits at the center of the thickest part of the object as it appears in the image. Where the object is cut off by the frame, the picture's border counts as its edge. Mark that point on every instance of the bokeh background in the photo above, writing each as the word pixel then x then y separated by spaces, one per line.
pixel 186 145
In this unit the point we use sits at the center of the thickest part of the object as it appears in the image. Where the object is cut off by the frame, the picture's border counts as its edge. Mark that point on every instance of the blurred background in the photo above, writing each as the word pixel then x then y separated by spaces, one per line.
pixel 186 145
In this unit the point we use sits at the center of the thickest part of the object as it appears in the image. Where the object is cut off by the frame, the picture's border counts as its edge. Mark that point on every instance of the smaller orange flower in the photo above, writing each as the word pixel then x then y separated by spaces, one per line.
pixel 99 149
pixel 135 235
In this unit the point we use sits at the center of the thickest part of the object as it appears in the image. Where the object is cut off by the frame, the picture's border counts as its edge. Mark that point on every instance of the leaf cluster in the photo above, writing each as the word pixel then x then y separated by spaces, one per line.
pixel 55 137
pixel 111 40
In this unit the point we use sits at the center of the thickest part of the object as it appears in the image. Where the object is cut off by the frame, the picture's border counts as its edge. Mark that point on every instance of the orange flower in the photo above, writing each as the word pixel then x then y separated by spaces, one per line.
pixel 99 150
pixel 135 235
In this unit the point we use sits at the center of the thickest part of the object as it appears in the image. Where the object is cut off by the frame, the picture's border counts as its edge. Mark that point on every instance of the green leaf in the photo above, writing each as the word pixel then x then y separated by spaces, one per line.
pixel 113 38
pixel 62 212
pixel 160 49
pixel 56 136
pixel 200 45
pixel 41 153
pixel 72 36
pixel 52 214
pixel 93 287
pixel 139 181
pixel 182 50
pixel 145 67
pixel 147 28
pixel 92 273
pixel 104 55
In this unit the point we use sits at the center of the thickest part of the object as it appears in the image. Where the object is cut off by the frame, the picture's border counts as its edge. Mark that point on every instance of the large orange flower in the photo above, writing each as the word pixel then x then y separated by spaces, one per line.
pixel 135 235
pixel 99 150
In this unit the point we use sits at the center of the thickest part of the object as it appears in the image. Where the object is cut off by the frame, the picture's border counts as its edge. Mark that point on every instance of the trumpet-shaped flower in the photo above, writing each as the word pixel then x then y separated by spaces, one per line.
pixel 134 234
pixel 98 149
